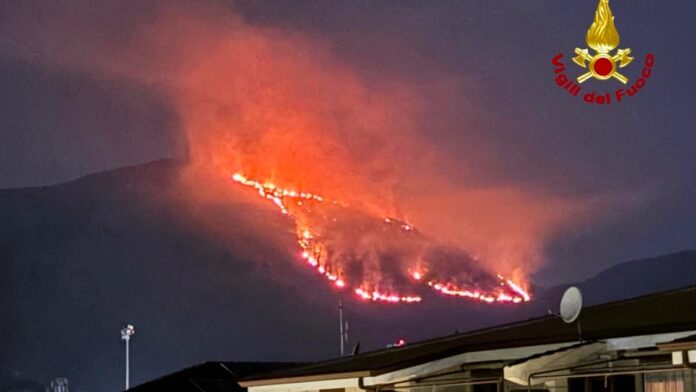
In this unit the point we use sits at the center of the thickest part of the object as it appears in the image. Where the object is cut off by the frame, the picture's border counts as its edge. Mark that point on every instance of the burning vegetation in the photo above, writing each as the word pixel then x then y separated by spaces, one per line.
pixel 406 258
pixel 392 188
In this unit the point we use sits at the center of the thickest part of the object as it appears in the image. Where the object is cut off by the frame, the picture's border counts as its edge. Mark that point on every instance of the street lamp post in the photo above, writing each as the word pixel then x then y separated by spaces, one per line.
pixel 126 334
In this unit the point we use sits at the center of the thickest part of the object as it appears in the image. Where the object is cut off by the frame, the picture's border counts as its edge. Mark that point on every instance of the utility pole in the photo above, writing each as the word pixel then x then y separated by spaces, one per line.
pixel 343 328
pixel 340 320
pixel 126 334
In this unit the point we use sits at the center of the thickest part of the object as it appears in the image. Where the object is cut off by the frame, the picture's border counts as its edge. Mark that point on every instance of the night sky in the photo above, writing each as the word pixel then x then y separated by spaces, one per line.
pixel 497 113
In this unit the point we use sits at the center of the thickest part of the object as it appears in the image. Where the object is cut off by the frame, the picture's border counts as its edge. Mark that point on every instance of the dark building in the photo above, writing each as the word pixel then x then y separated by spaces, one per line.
pixel 645 344
pixel 211 377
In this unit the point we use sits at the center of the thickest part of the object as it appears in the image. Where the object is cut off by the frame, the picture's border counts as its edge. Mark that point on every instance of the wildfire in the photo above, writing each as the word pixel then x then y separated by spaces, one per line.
pixel 501 296
pixel 384 297
pixel 299 205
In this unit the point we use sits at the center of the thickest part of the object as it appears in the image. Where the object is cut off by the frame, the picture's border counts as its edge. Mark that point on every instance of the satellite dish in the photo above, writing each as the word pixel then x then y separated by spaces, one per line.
pixel 571 304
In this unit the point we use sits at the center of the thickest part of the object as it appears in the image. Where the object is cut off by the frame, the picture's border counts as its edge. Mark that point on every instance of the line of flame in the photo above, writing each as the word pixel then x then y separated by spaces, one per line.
pixel 312 252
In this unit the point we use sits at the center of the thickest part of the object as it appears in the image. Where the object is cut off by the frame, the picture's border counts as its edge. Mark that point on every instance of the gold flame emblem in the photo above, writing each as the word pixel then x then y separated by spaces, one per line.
pixel 603 38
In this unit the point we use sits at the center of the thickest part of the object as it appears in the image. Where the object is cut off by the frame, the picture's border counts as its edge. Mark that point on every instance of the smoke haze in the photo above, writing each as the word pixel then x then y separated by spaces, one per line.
pixel 281 107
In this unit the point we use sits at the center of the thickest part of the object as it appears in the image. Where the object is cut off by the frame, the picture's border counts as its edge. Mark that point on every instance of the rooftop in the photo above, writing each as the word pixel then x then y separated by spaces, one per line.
pixel 211 377
pixel 665 312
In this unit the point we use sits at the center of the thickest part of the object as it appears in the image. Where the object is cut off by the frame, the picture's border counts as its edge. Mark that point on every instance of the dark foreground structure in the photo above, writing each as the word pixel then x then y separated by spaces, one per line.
pixel 211 377
pixel 646 344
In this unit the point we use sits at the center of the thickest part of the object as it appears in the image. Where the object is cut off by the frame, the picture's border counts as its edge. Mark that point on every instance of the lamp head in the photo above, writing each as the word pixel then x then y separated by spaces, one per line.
pixel 127 332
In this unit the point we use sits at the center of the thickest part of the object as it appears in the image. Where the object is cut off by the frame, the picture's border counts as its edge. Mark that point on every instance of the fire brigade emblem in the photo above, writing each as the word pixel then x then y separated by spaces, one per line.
pixel 603 38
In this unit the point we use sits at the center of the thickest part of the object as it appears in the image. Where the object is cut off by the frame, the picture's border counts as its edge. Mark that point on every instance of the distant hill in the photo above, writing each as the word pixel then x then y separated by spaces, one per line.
pixel 636 278
pixel 17 383
pixel 80 259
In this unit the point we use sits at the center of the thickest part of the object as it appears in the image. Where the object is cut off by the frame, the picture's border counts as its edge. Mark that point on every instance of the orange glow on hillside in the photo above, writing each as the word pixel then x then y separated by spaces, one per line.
pixel 300 205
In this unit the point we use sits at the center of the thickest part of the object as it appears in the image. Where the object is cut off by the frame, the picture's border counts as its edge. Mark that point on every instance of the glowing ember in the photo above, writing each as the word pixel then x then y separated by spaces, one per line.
pixel 517 289
pixel 384 297
pixel 302 206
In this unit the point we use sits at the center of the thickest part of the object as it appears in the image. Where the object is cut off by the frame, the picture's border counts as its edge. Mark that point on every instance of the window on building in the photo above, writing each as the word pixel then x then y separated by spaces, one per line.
pixel 485 388
pixel 664 382
pixel 597 384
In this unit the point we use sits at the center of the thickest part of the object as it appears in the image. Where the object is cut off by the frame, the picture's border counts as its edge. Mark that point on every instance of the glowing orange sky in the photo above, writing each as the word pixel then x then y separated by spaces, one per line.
pixel 280 106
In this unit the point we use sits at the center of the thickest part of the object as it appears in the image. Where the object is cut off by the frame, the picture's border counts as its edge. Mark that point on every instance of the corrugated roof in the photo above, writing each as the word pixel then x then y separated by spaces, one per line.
pixel 549 352
pixel 666 312
pixel 687 343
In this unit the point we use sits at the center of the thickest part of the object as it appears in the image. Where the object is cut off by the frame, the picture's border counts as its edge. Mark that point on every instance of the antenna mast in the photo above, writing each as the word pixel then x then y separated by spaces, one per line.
pixel 343 328
pixel 340 320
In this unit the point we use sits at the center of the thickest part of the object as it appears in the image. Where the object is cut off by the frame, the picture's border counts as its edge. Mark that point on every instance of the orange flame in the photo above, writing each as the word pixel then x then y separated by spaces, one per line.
pixel 278 104
pixel 314 252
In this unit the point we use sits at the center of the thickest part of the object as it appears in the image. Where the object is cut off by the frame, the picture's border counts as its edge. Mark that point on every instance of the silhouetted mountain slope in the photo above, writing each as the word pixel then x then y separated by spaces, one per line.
pixel 80 259
pixel 17 383
pixel 636 278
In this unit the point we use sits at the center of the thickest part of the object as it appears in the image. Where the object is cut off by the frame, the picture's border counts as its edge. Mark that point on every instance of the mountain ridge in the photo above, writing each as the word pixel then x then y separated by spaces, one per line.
pixel 81 258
